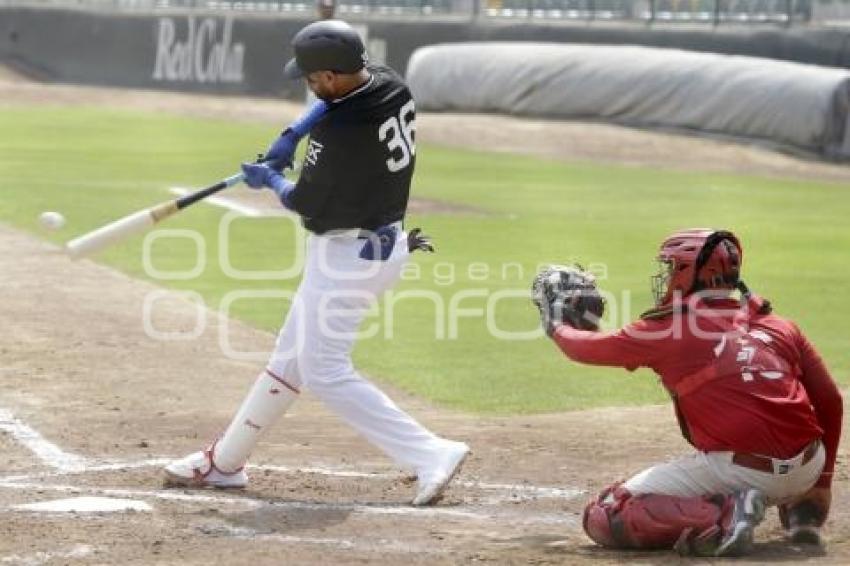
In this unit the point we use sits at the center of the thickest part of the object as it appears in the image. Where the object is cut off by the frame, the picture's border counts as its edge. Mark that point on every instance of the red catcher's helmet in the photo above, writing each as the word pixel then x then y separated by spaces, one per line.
pixel 697 259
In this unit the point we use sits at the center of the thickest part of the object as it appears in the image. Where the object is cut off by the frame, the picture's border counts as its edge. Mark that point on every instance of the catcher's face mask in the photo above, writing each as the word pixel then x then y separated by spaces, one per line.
pixel 661 280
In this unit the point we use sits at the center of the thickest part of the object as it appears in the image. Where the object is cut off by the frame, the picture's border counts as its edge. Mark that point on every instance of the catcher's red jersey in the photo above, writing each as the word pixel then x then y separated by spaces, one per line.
pixel 759 387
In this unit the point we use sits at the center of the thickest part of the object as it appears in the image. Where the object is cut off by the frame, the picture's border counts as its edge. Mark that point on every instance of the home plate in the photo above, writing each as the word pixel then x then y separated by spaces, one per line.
pixel 86 505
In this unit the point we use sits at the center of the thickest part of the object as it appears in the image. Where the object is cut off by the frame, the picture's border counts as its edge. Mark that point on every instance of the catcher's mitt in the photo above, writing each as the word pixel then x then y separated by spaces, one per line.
pixel 567 295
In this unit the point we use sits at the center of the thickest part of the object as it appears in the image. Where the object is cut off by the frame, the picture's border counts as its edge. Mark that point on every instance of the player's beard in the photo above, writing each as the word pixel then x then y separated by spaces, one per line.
pixel 322 93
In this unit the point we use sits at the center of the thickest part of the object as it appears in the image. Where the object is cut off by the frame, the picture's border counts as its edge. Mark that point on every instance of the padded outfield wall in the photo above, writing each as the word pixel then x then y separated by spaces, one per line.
pixel 243 53
pixel 795 105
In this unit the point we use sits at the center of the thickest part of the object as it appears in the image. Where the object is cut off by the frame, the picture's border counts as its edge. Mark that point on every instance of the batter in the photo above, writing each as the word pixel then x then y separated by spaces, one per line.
pixel 352 195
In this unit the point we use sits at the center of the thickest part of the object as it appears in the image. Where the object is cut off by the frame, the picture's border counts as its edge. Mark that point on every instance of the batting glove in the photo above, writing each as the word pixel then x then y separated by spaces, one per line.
pixel 259 175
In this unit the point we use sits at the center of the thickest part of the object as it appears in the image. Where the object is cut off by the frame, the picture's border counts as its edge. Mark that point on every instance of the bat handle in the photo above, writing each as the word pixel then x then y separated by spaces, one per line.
pixel 234 179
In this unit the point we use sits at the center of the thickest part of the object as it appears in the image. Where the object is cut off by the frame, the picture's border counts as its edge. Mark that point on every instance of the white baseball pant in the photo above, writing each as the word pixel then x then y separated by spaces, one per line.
pixel 708 473
pixel 314 349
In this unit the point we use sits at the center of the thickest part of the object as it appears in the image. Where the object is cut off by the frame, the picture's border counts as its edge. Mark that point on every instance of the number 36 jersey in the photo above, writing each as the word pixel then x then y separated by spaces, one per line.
pixel 360 158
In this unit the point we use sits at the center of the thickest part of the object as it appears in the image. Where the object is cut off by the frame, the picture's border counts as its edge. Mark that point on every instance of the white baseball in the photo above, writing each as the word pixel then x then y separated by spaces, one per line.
pixel 51 220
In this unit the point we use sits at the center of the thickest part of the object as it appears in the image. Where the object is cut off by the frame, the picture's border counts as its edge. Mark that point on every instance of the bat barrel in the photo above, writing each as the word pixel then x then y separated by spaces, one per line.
pixel 98 239
pixel 113 232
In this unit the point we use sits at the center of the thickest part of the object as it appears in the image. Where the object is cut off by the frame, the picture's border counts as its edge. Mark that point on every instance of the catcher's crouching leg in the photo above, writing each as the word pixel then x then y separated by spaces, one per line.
pixel 691 525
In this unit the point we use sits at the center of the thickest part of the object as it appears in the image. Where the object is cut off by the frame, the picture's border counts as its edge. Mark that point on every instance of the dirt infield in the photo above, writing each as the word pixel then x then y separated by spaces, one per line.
pixel 91 406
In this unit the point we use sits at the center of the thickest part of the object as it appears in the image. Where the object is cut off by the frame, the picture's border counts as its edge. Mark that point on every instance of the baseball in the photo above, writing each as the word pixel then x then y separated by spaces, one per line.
pixel 51 220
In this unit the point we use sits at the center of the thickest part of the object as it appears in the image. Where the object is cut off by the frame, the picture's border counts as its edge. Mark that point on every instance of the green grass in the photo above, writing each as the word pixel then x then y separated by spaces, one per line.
pixel 95 165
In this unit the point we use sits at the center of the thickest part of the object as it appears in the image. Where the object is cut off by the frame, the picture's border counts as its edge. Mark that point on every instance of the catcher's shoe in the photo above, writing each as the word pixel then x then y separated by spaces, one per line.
pixel 198 470
pixel 802 522
pixel 805 534
pixel 433 482
pixel 748 508
pixel 743 511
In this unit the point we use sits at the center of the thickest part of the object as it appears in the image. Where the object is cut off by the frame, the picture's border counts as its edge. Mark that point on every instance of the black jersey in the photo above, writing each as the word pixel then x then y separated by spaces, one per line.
pixel 360 158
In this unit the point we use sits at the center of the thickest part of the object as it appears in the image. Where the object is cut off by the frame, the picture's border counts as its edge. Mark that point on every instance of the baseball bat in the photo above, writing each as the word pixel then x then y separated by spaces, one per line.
pixel 141 220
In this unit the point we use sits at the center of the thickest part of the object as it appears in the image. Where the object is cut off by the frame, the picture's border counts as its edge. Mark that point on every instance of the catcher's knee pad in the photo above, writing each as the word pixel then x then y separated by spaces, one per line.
pixel 618 519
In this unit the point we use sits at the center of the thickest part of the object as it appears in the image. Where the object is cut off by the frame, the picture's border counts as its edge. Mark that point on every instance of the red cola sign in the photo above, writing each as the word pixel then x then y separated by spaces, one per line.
pixel 200 51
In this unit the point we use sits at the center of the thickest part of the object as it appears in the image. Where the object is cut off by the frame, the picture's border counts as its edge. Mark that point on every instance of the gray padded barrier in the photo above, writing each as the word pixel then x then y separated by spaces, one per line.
pixel 791 104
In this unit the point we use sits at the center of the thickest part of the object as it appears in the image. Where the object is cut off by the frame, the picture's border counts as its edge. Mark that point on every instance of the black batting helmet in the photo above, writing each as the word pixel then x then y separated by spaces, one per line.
pixel 327 45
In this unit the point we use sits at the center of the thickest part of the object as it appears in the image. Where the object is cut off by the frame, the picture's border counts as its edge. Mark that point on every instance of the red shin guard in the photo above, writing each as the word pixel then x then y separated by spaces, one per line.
pixel 618 519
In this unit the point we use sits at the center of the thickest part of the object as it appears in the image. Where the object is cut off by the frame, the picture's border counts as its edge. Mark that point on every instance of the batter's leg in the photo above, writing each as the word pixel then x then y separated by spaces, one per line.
pixel 373 414
pixel 274 391
pixel 333 312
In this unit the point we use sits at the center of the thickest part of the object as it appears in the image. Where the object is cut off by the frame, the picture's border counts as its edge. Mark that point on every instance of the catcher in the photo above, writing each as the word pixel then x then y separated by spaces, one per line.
pixel 749 390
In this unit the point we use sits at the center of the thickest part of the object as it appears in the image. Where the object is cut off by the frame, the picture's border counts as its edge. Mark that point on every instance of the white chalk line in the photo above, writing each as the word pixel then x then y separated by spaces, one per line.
pixel 38 558
pixel 107 467
pixel 250 534
pixel 463 513
pixel 513 492
pixel 86 505
pixel 538 491
pixel 382 545
pixel 224 202
pixel 254 503
pixel 47 452
pixel 166 495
